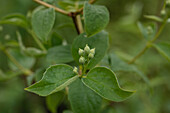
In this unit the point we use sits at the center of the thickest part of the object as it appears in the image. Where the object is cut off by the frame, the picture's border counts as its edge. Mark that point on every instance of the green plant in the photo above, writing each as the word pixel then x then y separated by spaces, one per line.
pixel 85 84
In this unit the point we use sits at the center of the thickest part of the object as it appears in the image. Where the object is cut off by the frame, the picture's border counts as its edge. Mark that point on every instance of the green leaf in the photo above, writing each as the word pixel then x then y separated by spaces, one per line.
pixel 104 82
pixel 98 41
pixel 59 54
pixel 96 18
pixel 149 31
pixel 153 17
pixel 42 22
pixel 15 19
pixel 117 65
pixel 164 49
pixel 67 111
pixel 4 76
pixel 53 100
pixel 24 60
pixel 56 78
pixel 30 51
pixel 56 39
pixel 83 99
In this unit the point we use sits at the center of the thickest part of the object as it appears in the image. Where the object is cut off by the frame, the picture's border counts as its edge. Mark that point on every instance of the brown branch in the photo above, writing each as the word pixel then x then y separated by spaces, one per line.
pixel 51 6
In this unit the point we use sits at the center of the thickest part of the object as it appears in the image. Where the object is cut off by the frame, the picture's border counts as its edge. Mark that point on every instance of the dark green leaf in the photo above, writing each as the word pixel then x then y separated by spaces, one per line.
pixel 164 49
pixel 104 82
pixel 15 19
pixel 96 18
pixel 42 22
pixel 56 78
pixel 59 54
pixel 56 39
pixel 53 100
pixel 67 111
pixel 83 99
pixel 98 41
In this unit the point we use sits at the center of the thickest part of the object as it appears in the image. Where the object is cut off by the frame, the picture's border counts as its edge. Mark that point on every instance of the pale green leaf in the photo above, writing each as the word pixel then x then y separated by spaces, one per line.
pixel 42 22
pixel 83 99
pixel 26 61
pixel 153 17
pixel 164 49
pixel 98 41
pixel 96 18
pixel 104 82
pixel 30 51
pixel 15 19
pixel 55 78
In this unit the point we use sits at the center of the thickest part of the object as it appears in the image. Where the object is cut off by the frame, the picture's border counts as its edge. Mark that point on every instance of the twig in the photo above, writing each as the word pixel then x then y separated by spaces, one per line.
pixel 150 42
pixel 51 6
pixel 36 40
pixel 19 66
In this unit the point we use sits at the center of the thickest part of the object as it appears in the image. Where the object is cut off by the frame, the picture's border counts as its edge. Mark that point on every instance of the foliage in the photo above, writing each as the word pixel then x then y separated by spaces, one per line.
pixel 67 52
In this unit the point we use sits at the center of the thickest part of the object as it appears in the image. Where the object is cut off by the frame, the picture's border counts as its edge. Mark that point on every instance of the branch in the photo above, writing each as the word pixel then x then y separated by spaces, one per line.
pixel 150 42
pixel 51 6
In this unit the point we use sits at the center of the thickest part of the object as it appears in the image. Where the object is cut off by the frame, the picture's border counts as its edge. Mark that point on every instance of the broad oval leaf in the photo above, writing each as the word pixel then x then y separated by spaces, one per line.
pixel 55 78
pixel 59 54
pixel 164 49
pixel 42 22
pixel 104 82
pixel 15 19
pixel 96 18
pixel 83 99
pixel 98 41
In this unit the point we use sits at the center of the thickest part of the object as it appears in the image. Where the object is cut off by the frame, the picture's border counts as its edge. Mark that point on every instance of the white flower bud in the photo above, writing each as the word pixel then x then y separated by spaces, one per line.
pixel 91 55
pixel 92 51
pixel 75 70
pixel 149 30
pixel 81 51
pixel 87 49
pixel 82 60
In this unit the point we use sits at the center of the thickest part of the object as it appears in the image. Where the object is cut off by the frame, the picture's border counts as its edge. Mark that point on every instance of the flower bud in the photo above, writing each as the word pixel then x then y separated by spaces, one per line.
pixel 75 70
pixel 149 30
pixel 91 55
pixel 163 12
pixel 87 49
pixel 92 51
pixel 82 60
pixel 81 51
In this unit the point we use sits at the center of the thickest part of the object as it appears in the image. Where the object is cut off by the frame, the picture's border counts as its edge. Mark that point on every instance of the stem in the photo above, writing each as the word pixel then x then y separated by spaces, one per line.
pixel 19 66
pixel 75 23
pixel 81 9
pixel 37 40
pixel 51 6
pixel 79 24
pixel 150 42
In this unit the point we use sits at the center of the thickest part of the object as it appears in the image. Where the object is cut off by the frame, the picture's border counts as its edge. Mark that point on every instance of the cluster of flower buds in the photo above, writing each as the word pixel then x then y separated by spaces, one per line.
pixel 86 54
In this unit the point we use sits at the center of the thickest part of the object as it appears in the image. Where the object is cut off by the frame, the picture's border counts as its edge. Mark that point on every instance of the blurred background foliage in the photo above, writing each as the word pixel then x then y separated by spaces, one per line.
pixel 126 41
